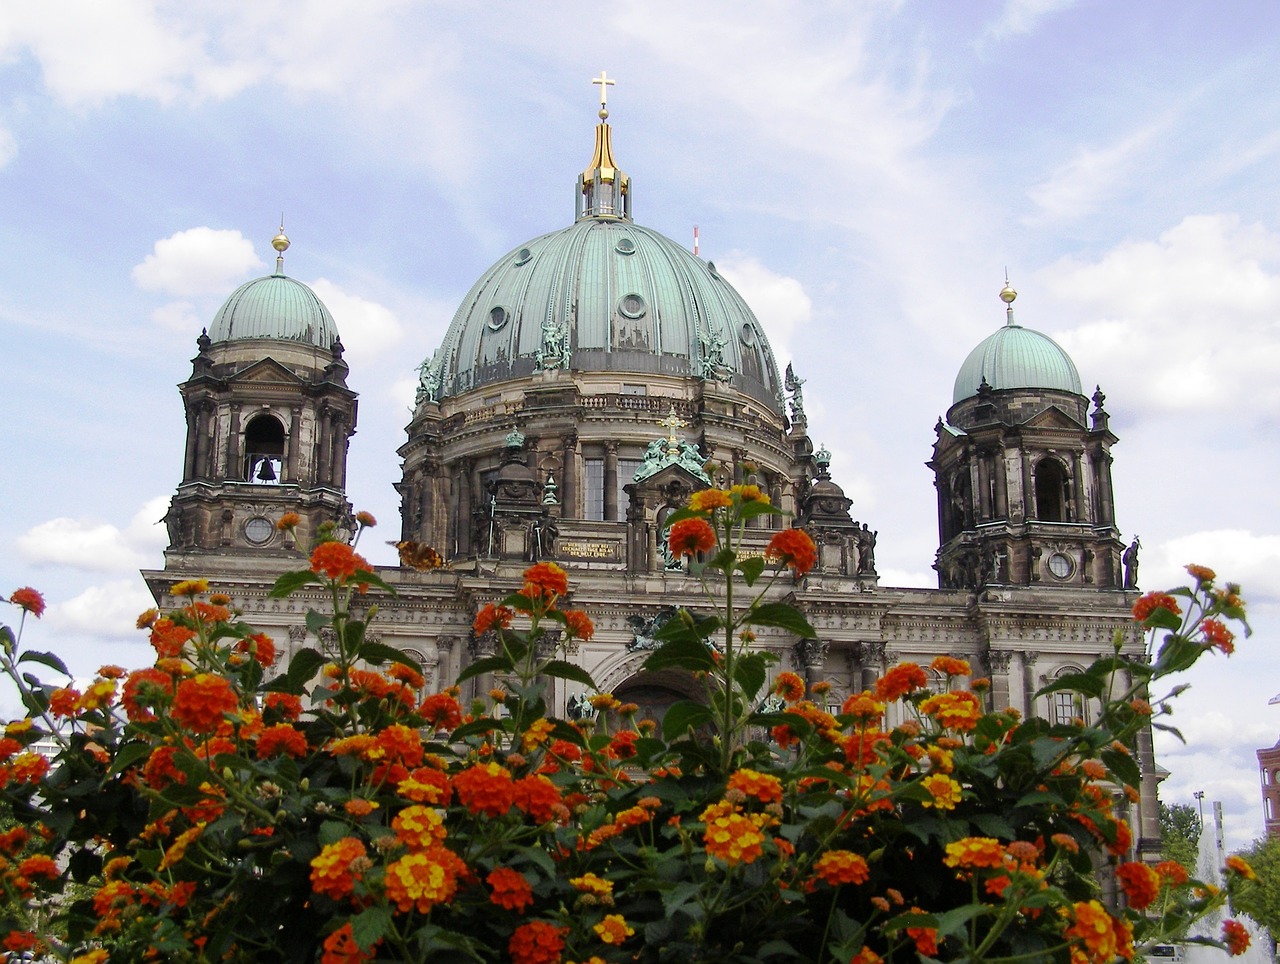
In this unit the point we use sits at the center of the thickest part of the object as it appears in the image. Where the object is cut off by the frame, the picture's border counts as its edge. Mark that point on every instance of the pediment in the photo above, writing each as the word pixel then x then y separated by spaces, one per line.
pixel 265 371
pixel 674 482
pixel 1053 418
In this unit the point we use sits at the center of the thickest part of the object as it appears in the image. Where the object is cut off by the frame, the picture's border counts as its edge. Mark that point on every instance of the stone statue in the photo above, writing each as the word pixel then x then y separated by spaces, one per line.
pixel 1130 560
pixel 712 364
pixel 867 549
pixel 793 383
pixel 578 707
pixel 554 351
pixel 430 377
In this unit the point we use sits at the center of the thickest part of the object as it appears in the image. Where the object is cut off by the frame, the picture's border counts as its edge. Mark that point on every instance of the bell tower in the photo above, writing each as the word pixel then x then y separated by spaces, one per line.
pixel 269 417
pixel 1023 470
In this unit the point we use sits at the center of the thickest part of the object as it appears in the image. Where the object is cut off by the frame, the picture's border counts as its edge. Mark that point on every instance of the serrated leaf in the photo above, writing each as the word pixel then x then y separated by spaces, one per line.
pixel 1123 766
pixel 684 653
pixel 749 673
pixel 476 728
pixel 486 664
pixel 1161 618
pixel 370 926
pixel 317 621
pixel 352 636
pixel 366 578
pixel 291 582
pixel 781 615
pixel 751 568
pixel 1086 683
pixel 45 659
pixel 562 669
pixel 375 653
pixel 305 664
pixel 684 716
pixel 128 755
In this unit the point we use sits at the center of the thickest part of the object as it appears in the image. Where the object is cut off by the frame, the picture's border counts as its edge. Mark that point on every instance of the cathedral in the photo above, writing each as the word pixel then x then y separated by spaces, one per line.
pixel 591 380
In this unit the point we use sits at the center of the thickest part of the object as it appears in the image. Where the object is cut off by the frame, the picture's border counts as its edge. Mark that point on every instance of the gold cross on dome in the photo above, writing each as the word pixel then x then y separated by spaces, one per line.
pixel 604 82
pixel 671 423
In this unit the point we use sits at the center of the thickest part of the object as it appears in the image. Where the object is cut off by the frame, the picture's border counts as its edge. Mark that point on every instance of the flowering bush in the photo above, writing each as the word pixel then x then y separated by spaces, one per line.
pixel 211 808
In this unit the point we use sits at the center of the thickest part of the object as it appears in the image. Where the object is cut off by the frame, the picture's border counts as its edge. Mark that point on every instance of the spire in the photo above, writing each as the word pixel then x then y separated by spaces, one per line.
pixel 603 190
pixel 281 243
pixel 1007 295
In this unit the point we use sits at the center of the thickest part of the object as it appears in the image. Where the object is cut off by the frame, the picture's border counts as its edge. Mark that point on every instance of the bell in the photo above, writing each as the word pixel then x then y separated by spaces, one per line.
pixel 266 473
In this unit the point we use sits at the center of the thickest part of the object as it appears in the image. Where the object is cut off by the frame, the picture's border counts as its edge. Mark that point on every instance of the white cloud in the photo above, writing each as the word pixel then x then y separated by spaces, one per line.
pixel 198 261
pixel 1022 16
pixel 1188 322
pixel 367 328
pixel 108 610
pixel 98 546
pixel 779 302
pixel 1235 554
pixel 8 146
pixel 178 316
pixel 1077 187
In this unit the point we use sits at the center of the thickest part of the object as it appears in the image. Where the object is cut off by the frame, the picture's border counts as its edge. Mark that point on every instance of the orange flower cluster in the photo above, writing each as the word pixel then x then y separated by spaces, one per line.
pixel 945 792
pixel 281 739
pixel 842 867
pixel 486 789
pixel 419 881
pixel 794 548
pixel 28 600
pixel 419 828
pixel 509 889
pixel 201 702
pixel 1096 936
pixel 1141 884
pixel 900 681
pixel 340 947
pixel 332 871
pixel 338 561
pixel 732 836
pixel 545 581
pixel 951 666
pixel 537 942
pixel 1235 936
pixel 789 686
pixel 691 536
pixel 1216 635
pixel 1152 601
pixel 706 500
pixel 955 711
pixel 973 852
pixel 613 929
pixel 759 786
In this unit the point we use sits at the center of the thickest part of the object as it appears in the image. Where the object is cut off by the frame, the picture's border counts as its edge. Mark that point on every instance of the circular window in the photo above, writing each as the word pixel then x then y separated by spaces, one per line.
pixel 497 317
pixel 1061 565
pixel 523 256
pixel 259 530
pixel 631 305
pixel 625 246
pixel 747 334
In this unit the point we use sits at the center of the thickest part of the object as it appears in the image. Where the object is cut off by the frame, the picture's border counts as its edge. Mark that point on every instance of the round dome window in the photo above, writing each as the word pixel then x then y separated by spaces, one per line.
pixel 1060 565
pixel 748 334
pixel 523 256
pixel 632 306
pixel 625 246
pixel 497 317
pixel 259 530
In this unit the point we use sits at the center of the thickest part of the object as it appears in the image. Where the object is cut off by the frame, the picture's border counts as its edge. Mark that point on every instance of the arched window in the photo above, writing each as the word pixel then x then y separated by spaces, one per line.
pixel 264 450
pixel 1065 706
pixel 1052 495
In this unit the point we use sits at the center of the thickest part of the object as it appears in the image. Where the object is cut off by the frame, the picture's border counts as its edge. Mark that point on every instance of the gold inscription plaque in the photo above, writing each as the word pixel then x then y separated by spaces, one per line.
pixel 588 550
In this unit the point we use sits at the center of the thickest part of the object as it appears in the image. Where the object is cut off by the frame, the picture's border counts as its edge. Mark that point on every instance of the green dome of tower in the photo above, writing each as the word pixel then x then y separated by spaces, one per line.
pixel 1016 357
pixel 275 307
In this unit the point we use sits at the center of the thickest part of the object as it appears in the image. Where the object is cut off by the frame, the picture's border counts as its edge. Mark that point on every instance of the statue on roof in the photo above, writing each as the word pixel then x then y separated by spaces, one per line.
pixel 553 353
pixel 711 364
pixel 430 379
pixel 793 383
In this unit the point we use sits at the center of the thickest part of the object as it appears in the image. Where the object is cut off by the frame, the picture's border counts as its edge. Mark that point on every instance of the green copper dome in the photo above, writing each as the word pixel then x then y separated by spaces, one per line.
pixel 605 295
pixel 275 307
pixel 1017 357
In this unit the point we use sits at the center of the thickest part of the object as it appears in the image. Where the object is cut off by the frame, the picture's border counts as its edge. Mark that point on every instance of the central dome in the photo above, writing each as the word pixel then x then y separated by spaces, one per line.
pixel 630 300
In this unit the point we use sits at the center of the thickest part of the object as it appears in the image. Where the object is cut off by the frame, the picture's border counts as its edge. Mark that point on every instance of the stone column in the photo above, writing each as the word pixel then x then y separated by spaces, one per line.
pixel 998 668
pixel 292 470
pixel 341 438
pixel 234 470
pixel 462 509
pixel 324 463
pixel 811 654
pixel 478 648
pixel 611 481
pixel 190 458
pixel 569 480
pixel 1029 686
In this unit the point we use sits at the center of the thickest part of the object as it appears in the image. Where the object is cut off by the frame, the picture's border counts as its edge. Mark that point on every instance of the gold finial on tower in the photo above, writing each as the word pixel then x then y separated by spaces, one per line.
pixel 1007 295
pixel 281 243
pixel 671 423
pixel 604 83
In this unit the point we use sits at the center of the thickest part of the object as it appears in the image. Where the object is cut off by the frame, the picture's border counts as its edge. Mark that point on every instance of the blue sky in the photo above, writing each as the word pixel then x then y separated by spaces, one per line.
pixel 863 172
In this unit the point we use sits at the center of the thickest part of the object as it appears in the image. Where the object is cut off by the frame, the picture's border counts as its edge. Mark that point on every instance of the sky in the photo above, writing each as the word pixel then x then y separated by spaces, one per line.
pixel 865 173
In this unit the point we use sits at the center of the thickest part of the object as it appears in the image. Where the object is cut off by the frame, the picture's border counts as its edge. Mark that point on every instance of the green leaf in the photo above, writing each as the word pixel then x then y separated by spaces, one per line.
pixel 46 659
pixel 683 716
pixel 1086 683
pixel 305 664
pixel 291 582
pixel 352 636
pixel 476 728
pixel 749 673
pixel 781 615
pixel 1162 618
pixel 562 669
pixel 1123 766
pixel 317 621
pixel 370 926
pixel 373 652
pixel 1176 654
pixel 751 568
pixel 128 755
pixel 686 653
pixel 488 664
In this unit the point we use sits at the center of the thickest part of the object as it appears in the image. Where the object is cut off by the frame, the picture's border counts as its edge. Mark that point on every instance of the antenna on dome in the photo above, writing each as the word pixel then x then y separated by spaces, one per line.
pixel 281 243
pixel 695 240
pixel 1007 295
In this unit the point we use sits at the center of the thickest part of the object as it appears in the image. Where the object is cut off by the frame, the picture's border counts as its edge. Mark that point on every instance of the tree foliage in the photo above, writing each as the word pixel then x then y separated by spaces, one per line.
pixel 1180 829
pixel 1260 898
